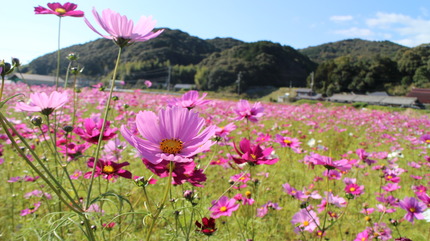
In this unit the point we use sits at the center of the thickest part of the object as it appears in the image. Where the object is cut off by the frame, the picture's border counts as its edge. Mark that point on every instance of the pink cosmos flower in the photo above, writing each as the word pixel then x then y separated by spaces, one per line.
pixel 91 131
pixel 245 200
pixel 305 220
pixel 425 138
pixel 175 134
pixel 414 208
pixel 245 111
pixel 74 150
pixel 108 170
pixel 37 193
pixel 76 175
pixel 327 162
pixel 363 155
pixel 223 131
pixel 30 210
pixel 263 210
pixel 61 10
pixel 391 187
pixel 14 179
pixel 292 143
pixel 291 191
pixel 354 189
pixel 148 83
pixel 123 31
pixel 240 179
pixel 253 154
pixel 365 235
pixel 41 102
pixel 223 207
pixel 113 148
pixel 189 100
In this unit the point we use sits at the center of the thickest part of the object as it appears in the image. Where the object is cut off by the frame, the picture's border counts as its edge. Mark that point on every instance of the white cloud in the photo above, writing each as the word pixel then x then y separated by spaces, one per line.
pixel 355 32
pixel 404 29
pixel 342 18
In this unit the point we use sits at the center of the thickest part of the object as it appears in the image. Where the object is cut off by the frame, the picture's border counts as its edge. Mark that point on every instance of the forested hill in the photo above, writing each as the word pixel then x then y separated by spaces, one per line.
pixel 352 65
pixel 98 56
pixel 212 64
pixel 353 48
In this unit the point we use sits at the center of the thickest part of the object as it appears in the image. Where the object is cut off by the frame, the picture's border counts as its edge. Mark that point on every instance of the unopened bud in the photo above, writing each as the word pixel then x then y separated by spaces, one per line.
pixel 36 120
pixel 16 62
pixel 68 129
pixel 72 57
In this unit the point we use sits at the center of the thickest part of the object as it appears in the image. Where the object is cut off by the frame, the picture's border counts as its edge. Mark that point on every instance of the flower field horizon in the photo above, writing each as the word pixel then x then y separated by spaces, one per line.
pixel 268 171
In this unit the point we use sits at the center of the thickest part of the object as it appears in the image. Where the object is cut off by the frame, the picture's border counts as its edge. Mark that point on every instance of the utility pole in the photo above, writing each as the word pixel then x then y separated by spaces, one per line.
pixel 312 81
pixel 169 69
pixel 239 79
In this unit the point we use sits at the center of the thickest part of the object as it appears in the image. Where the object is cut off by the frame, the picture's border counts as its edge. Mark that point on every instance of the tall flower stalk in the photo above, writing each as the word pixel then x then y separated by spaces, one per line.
pixel 61 10
pixel 124 33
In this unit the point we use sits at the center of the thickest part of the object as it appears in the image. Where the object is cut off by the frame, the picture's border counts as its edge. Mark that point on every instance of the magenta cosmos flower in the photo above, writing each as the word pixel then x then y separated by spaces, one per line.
pixel 122 30
pixel 223 207
pixel 61 10
pixel 253 154
pixel 41 102
pixel 108 170
pixel 175 134
pixel 189 100
pixel 245 111
pixel 414 208
pixel 91 130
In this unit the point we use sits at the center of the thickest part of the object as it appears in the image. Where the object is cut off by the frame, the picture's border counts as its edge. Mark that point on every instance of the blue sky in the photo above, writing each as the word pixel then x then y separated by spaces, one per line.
pixel 299 24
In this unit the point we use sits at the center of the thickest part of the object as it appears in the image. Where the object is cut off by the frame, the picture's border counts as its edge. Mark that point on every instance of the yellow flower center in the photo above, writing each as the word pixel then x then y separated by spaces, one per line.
pixel 352 189
pixel 171 146
pixel 60 10
pixel 428 141
pixel 412 210
pixel 305 223
pixel 253 156
pixel 248 194
pixel 108 169
pixel 287 141
pixel 367 218
pixel 223 208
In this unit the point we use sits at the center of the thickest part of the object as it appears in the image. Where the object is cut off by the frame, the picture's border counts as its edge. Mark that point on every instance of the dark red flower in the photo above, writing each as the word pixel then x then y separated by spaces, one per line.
pixel 207 227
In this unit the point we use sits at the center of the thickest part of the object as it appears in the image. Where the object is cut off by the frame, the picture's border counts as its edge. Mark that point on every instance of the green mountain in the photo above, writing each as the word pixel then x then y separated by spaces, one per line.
pixel 259 63
pixel 356 48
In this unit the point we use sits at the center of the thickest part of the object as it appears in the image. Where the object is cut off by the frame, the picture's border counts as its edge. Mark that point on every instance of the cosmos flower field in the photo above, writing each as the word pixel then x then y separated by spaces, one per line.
pixel 259 171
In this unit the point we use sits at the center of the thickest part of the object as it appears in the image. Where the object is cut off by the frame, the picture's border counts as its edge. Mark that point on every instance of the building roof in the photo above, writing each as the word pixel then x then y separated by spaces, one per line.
pixel 423 95
pixel 184 86
pixel 369 98
pixel 398 100
pixel 381 100
pixel 342 98
pixel 34 77
pixel 304 90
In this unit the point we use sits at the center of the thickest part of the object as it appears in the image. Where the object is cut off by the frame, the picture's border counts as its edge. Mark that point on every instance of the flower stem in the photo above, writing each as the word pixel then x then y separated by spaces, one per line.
pixel 58 55
pixel 96 158
pixel 161 206
pixel 2 86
